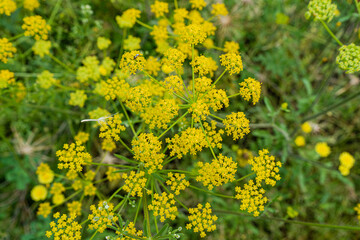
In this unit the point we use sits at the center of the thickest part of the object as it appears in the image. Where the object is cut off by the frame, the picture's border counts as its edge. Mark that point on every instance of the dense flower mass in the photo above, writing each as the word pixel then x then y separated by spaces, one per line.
pixel 7 50
pixel 349 58
pixel 37 27
pixel 7 7
pixel 128 18
pixel 65 227
pixel 347 161
pixel 164 206
pixel 111 128
pixel 237 124
pixel 73 157
pixel 201 219
pixel 6 78
pixel 134 183
pixel 322 149
pixel 232 62
pixel 177 182
pixel 250 88
pixel 102 216
pixel 132 62
pixel 322 10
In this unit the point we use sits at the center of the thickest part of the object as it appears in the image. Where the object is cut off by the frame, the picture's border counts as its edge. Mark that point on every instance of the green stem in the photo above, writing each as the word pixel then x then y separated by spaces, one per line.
pixel 127 117
pixel 54 12
pixel 172 125
pixel 146 214
pixel 137 210
pixel 92 237
pixel 122 142
pixel 144 24
pixel 122 46
pixel 109 165
pixel 331 33
pixel 219 118
pixel 322 225
pixel 61 63
pixel 193 74
pixel 16 37
pixel 332 107
pixel 231 96
pixel 246 176
pixel 116 192
pixel 210 192
pixel 218 79
pixel 68 198
pixel 357 4
pixel 176 4
pixel 211 149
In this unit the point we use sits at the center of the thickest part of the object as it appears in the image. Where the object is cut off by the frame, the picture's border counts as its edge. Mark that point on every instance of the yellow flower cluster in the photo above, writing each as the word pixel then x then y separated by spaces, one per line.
pixel 78 98
pixel 7 7
pixel 231 47
pixel 132 62
pixel 89 189
pixel 174 84
pixel 266 168
pixel 7 50
pixel 134 183
pixel 82 137
pixel 201 219
pixel 42 48
pixel 161 114
pixel 64 228
pixel 31 4
pixel 45 79
pixel 73 157
pixel 112 175
pixel 219 9
pixel 102 216
pixel 357 209
pixel 306 127
pixel 152 66
pixel 243 156
pixel 232 62
pixel 90 70
pixel 300 141
pixel 44 173
pixel 177 182
pixel 38 193
pixel 6 78
pixel 164 206
pixel 111 128
pixel 147 149
pixel 128 18
pixel 159 8
pixel 36 26
pixel 236 124
pixel 250 88
pixel 204 65
pixel 347 161
pixel 251 197
pixel 103 43
pixel 44 209
pixel 220 171
pixel 193 34
pixel 115 88
pixel 322 149
pixel 174 58
pixel 98 113
pixel 108 145
pixel 130 230
pixel 198 4
pixel 74 208
pixel 57 191
pixel 139 98
pixel 132 43
pixel 321 10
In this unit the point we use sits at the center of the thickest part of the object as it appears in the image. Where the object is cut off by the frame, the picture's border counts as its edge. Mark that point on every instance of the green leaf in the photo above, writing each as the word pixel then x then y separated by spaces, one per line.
pixel 268 105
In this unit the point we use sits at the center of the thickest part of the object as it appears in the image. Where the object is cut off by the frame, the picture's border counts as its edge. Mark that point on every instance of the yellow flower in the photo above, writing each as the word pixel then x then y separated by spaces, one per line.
pixel 232 62
pixel 7 50
pixel 112 175
pixel 90 70
pixel 161 114
pixel 36 26
pixel 347 161
pixel 64 227
pixel 45 79
pixel 220 171
pixel 58 199
pixel 236 124
pixel 231 47
pixel 138 99
pixel 160 35
pixel 159 8
pixel 306 127
pixel 107 66
pixel 174 58
pixel 132 43
pixel 102 216
pixel 78 98
pixel 322 149
pixel 147 149
pixel 128 18
pixel 204 65
pixel 89 189
pixel 321 10
pixel 174 84
pixel 219 9
pixel 266 168
pixel 116 88
pixel 164 206
pixel 108 145
pixel 349 58
pixel 292 213
pixel 73 157
pixel 180 14
pixel 243 156
pixel 300 141
pixel 152 66
pixel 31 4
pixel 74 208
pixel 44 173
pixel 82 137
pixel 198 4
pixel 252 198
pixel 357 209
pixel 6 78
pixel 177 182
pixel 7 7
pixel 103 43
pixel 134 183
pixel 57 188
pixel 250 88
pixel 98 113
pixel 130 229
pixel 132 62
pixel 208 43
pixel 44 209
pixel 111 128
pixel 193 34
pixel 38 193
pixel 201 219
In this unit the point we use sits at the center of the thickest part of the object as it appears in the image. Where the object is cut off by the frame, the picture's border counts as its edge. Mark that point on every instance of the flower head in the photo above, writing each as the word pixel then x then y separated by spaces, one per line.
pixel 201 219
pixel 349 58
pixel 78 98
pixel 322 149
pixel 42 48
pixel 219 9
pixel 31 4
pixel 164 206
pixel 231 47
pixel 73 157
pixel 6 78
pixel 74 208
pixel 300 141
pixel 322 10
pixel 306 127
pixel 44 209
pixel 38 193
pixel 250 88
pixel 45 79
pixel 128 18
pixel 346 163
pixel 111 128
pixel 159 8
pixel 237 124
pixel 198 4
pixel 102 216
pixel 103 43
pixel 7 50
pixel 177 182
pixel 132 43
pixel 161 114
pixel 36 26
pixel 7 7
pixel 232 62
pixel 193 34
pixel 44 173
pixel 204 65
pixel 134 183
pixel 116 88
pixel 65 227
pixel 132 62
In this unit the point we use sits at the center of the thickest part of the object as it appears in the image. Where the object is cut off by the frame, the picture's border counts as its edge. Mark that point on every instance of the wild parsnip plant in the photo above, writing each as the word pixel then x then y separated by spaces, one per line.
pixel 153 119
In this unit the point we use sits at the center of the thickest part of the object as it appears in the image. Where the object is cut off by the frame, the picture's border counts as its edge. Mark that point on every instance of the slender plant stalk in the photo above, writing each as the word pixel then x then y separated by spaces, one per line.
pixel 144 24
pixel 212 193
pixel 61 63
pixel 331 33
pixel 172 125
pixel 211 149
pixel 129 121
pixel 246 176
pixel 54 12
